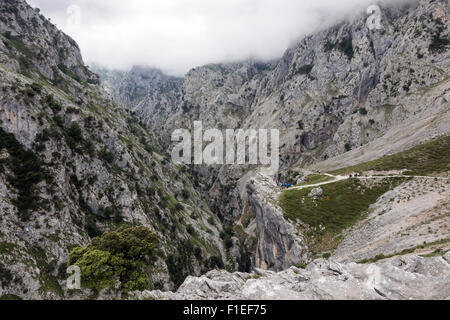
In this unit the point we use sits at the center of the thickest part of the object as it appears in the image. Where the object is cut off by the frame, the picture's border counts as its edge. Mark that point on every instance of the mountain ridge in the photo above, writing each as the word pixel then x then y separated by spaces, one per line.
pixel 336 90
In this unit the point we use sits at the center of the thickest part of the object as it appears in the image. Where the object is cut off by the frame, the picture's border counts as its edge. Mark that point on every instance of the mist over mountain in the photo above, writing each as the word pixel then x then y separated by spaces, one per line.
pixel 176 36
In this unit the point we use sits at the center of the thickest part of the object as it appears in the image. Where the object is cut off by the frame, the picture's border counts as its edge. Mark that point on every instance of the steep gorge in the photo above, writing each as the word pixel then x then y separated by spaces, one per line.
pixel 78 160
pixel 341 96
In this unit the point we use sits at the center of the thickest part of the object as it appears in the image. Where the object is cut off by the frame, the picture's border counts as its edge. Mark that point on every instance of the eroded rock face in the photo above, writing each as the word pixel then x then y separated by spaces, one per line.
pixel 403 278
pixel 41 40
pixel 279 243
pixel 141 87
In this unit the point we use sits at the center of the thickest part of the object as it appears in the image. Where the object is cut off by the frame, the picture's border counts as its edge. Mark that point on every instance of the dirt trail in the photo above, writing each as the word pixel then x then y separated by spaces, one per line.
pixel 342 178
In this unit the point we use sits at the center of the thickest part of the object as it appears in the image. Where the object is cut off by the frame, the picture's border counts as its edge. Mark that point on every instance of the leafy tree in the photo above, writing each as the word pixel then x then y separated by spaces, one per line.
pixel 124 255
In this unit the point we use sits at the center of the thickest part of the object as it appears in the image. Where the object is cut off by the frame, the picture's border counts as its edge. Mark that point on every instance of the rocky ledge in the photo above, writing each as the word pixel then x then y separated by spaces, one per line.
pixel 400 278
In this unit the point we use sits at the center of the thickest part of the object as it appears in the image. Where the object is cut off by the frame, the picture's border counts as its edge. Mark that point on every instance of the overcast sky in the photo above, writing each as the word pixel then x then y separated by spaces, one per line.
pixel 176 35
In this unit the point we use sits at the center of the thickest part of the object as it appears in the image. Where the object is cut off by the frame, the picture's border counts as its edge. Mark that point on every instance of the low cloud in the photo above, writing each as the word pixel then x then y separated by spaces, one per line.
pixel 176 35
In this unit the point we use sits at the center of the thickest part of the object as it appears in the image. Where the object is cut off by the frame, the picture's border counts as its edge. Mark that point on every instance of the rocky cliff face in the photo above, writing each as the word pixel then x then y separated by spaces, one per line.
pixel 142 87
pixel 74 164
pixel 280 245
pixel 49 54
pixel 346 91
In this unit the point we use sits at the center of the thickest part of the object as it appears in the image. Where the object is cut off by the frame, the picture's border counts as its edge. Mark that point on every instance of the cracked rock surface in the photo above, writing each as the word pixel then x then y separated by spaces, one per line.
pixel 404 278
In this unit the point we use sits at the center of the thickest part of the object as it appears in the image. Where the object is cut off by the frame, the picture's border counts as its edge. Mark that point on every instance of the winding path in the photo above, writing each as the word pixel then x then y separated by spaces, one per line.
pixel 342 178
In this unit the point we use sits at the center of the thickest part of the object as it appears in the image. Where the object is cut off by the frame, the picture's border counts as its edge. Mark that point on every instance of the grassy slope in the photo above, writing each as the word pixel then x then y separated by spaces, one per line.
pixel 342 205
pixel 426 159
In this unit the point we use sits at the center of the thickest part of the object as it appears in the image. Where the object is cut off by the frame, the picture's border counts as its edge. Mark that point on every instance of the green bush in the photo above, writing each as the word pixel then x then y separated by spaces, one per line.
pixel 185 194
pixel 88 147
pixel 59 121
pixel 91 228
pixel 228 243
pixel 74 133
pixel 179 264
pixel 50 102
pixel 36 87
pixel 27 171
pixel 126 255
pixel 215 262
pixel 74 137
pixel 348 147
pixel 190 230
pixel 179 207
pixel 211 221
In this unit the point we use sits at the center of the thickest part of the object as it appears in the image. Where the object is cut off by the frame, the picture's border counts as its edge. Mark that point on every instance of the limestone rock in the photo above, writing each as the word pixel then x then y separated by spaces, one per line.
pixel 279 244
pixel 426 278
pixel 315 193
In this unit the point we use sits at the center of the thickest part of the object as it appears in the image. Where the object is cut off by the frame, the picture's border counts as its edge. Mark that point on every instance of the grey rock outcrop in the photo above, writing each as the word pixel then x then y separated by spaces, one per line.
pixel 316 192
pixel 142 87
pixel 280 245
pixel 403 278
pixel 20 21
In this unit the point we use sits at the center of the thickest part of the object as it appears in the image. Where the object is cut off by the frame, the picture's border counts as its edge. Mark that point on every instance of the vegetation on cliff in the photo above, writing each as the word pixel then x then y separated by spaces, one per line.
pixel 124 256
pixel 425 159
